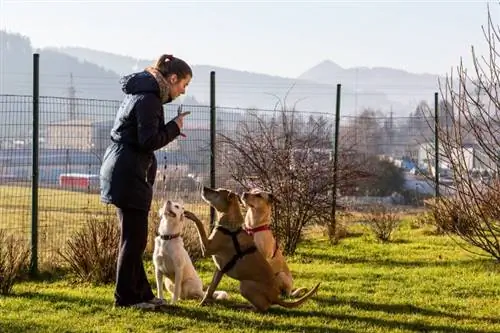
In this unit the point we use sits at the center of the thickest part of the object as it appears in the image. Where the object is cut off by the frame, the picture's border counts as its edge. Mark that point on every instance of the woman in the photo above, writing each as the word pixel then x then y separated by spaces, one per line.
pixel 129 167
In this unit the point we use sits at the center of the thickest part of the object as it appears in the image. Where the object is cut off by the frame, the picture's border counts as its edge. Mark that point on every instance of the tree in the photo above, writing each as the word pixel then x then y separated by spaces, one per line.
pixel 470 141
pixel 368 132
pixel 292 158
pixel 384 179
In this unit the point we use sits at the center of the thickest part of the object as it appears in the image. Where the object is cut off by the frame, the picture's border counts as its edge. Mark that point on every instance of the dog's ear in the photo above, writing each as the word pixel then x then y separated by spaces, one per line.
pixel 231 196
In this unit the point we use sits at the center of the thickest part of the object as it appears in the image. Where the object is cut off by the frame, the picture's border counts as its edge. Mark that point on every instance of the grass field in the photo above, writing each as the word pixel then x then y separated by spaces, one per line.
pixel 61 213
pixel 420 282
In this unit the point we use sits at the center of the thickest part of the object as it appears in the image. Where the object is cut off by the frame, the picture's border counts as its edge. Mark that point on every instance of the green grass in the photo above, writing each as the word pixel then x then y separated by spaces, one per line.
pixel 61 213
pixel 420 282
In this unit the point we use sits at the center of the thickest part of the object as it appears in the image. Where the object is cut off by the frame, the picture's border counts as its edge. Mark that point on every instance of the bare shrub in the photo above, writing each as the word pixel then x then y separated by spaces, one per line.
pixel 14 255
pixel 292 158
pixel 92 252
pixel 192 241
pixel 471 222
pixel 382 221
pixel 341 227
pixel 468 130
pixel 447 217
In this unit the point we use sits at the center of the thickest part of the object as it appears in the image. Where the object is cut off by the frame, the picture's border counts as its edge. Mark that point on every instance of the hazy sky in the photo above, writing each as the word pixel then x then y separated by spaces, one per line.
pixel 280 38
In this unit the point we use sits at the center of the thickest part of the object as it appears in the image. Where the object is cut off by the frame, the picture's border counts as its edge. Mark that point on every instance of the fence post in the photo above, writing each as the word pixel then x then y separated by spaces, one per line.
pixel 436 142
pixel 333 223
pixel 35 170
pixel 212 140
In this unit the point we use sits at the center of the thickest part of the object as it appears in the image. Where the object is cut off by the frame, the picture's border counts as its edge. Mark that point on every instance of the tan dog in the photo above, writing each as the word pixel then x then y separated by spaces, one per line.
pixel 257 225
pixel 234 253
pixel 171 260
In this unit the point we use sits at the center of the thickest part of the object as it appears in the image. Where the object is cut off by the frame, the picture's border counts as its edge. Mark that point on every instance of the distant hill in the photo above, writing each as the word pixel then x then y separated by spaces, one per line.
pixel 56 69
pixel 399 85
pixel 95 74
pixel 243 89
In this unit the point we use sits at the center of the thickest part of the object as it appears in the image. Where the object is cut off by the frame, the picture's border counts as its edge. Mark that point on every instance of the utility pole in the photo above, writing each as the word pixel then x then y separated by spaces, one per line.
pixel 72 96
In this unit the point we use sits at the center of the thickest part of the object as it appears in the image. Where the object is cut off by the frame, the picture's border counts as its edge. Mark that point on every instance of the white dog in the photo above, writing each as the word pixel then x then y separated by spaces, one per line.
pixel 172 261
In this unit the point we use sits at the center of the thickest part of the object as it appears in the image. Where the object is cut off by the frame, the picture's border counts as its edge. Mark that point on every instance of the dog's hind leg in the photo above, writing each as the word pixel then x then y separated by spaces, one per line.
pixel 255 294
pixel 192 289
pixel 286 286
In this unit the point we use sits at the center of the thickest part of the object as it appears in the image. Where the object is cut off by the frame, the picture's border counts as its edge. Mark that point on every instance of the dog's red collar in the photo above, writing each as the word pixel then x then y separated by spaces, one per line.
pixel 169 237
pixel 252 231
pixel 264 227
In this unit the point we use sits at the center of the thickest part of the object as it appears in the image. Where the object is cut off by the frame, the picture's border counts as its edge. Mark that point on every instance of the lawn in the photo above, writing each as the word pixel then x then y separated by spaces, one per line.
pixel 419 282
pixel 61 213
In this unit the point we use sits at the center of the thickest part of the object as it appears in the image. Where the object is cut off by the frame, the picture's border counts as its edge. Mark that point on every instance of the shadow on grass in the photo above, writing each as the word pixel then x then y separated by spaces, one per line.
pixel 238 322
pixel 353 234
pixel 400 309
pixel 399 241
pixel 236 319
pixel 57 298
pixel 14 326
pixel 343 259
pixel 383 324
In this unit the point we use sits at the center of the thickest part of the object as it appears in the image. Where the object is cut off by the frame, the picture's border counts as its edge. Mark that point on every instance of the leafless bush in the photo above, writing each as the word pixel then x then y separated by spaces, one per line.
pixel 14 255
pixel 292 158
pixel 470 222
pixel 468 132
pixel 448 217
pixel 422 220
pixel 92 252
pixel 382 222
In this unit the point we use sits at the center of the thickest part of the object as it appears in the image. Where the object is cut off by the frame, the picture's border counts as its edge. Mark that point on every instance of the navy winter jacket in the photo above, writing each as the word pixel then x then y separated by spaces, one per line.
pixel 129 166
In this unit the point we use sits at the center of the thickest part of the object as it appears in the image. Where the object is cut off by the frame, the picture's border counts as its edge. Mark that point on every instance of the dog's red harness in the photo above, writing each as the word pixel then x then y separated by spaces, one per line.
pixel 252 231
pixel 263 227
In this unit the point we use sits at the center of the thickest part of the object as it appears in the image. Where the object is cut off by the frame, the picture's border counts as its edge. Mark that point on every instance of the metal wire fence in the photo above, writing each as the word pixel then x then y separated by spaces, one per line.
pixel 73 134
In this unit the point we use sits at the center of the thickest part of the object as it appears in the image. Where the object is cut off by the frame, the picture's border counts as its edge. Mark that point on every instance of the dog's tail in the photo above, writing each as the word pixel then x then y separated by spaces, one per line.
pixel 220 294
pixel 298 292
pixel 301 300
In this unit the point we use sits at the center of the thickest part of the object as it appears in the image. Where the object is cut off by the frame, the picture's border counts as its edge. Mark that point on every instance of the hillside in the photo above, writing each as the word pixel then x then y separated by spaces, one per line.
pixel 244 89
pixel 95 75
pixel 399 85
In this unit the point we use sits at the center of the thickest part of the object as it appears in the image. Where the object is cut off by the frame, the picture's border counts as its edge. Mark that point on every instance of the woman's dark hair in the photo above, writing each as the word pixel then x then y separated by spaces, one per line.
pixel 167 64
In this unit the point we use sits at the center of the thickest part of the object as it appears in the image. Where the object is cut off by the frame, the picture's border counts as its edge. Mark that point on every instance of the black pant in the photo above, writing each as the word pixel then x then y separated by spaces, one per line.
pixel 132 285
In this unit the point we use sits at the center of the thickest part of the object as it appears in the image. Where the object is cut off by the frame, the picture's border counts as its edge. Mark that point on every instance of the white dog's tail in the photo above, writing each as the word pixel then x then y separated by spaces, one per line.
pixel 220 294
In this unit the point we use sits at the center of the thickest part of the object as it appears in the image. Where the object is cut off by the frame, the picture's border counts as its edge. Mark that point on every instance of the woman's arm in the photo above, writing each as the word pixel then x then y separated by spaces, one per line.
pixel 152 133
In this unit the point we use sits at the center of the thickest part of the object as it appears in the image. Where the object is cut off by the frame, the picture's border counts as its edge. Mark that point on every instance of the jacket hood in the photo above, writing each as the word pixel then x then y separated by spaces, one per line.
pixel 138 83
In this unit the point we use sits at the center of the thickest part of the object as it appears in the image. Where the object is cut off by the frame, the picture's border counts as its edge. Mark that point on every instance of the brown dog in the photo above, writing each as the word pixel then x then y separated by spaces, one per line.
pixel 234 253
pixel 257 224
